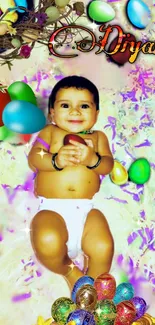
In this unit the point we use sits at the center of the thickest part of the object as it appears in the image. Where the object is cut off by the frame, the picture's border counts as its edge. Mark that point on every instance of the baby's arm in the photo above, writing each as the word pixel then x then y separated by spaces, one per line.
pixel 37 161
pixel 107 161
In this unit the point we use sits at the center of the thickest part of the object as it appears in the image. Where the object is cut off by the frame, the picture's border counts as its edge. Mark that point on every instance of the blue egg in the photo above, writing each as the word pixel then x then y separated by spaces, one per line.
pixel 138 13
pixel 22 3
pixel 79 283
pixel 23 117
pixel 81 317
pixel 124 291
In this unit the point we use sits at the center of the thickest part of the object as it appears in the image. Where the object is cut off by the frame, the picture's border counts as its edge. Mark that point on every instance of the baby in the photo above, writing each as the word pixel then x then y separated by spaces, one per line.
pixel 68 176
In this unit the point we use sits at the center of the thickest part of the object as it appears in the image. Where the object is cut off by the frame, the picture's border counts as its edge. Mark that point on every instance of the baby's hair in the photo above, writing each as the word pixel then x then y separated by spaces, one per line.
pixel 77 82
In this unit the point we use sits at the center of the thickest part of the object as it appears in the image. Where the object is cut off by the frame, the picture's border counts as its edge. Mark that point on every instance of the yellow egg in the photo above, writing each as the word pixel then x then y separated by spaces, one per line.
pixel 119 174
pixel 61 9
pixel 142 321
pixel 3 29
pixel 30 35
pixel 149 318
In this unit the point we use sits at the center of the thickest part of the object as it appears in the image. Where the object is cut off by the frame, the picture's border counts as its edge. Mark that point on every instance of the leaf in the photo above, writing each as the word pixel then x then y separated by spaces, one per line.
pixel 79 8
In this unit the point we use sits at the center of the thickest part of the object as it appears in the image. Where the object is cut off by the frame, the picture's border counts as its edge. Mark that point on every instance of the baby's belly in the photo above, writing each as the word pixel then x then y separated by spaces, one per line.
pixel 73 182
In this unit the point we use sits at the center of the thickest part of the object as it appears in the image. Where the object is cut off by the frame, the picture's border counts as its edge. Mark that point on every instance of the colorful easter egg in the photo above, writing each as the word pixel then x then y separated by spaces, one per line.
pixel 61 308
pixel 105 312
pixel 105 286
pixel 100 12
pixel 139 171
pixel 125 313
pixel 22 3
pixel 4 100
pixel 23 117
pixel 138 13
pixel 119 174
pixel 81 317
pixel 19 90
pixel 86 298
pixel 120 58
pixel 124 291
pixel 79 283
pixel 140 306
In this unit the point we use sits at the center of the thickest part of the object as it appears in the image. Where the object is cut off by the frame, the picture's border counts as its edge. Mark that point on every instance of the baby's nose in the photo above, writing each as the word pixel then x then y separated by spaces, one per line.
pixel 74 110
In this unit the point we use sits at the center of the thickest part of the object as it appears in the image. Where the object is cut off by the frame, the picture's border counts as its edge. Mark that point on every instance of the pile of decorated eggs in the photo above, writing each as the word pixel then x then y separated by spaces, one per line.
pixel 99 302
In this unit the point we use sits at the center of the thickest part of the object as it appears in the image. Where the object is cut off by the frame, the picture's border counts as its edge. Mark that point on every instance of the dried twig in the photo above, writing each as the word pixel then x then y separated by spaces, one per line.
pixel 31 22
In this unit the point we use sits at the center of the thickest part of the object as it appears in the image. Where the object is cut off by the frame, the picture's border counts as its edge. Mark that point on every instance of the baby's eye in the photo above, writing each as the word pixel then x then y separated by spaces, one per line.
pixel 64 105
pixel 84 106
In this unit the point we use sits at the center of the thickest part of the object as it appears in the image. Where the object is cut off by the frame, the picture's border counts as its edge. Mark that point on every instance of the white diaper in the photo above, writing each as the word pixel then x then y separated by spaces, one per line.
pixel 74 213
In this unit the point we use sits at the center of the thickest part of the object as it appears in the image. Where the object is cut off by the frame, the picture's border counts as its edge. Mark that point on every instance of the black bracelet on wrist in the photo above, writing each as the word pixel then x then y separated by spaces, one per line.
pixel 53 162
pixel 98 162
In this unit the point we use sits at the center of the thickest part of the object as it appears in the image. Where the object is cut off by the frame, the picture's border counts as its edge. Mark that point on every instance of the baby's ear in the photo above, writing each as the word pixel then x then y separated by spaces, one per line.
pixel 49 117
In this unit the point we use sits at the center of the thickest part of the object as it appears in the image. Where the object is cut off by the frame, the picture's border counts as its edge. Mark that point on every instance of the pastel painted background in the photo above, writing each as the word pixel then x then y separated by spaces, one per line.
pixel 127 116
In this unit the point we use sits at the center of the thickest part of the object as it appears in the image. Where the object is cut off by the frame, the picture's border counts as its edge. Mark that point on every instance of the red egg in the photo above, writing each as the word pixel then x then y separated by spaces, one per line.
pixel 126 313
pixel 121 57
pixel 73 137
pixel 4 100
pixel 105 286
pixel 25 137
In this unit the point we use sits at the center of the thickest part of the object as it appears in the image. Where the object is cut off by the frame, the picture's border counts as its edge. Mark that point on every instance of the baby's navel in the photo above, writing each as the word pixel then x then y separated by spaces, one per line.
pixel 71 189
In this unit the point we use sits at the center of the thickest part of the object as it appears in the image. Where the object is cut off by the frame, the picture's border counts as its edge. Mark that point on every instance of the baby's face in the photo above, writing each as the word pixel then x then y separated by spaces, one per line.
pixel 74 110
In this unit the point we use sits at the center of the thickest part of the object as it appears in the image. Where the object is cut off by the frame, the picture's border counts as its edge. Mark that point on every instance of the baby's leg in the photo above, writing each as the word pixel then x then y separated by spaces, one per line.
pixel 48 237
pixel 97 243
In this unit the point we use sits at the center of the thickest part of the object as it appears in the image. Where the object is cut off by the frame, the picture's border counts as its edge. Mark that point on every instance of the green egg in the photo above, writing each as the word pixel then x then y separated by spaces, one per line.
pixel 19 90
pixel 139 171
pixel 100 11
pixel 5 133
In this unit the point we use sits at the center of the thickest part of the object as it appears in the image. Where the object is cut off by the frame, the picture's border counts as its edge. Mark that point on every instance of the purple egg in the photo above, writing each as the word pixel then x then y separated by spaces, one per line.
pixel 140 306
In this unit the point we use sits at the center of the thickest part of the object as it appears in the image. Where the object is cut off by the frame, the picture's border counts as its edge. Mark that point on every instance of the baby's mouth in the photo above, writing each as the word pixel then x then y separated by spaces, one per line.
pixel 75 121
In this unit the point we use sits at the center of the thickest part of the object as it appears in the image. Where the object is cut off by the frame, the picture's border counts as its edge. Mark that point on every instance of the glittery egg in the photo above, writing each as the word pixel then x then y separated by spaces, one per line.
pixel 119 175
pixel 138 13
pixel 105 312
pixel 61 308
pixel 86 298
pixel 146 319
pixel 140 306
pixel 125 313
pixel 105 286
pixel 81 317
pixel 124 291
pixel 143 321
pixel 79 283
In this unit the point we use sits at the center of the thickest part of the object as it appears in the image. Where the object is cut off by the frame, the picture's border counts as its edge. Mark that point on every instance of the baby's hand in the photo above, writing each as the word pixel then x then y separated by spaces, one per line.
pixel 67 156
pixel 86 153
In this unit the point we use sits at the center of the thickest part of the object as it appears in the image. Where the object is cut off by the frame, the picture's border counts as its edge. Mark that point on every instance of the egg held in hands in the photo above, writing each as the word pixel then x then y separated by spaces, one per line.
pixel 73 137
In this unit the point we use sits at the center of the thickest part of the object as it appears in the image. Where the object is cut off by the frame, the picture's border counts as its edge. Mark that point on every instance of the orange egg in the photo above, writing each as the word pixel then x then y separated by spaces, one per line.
pixel 119 174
